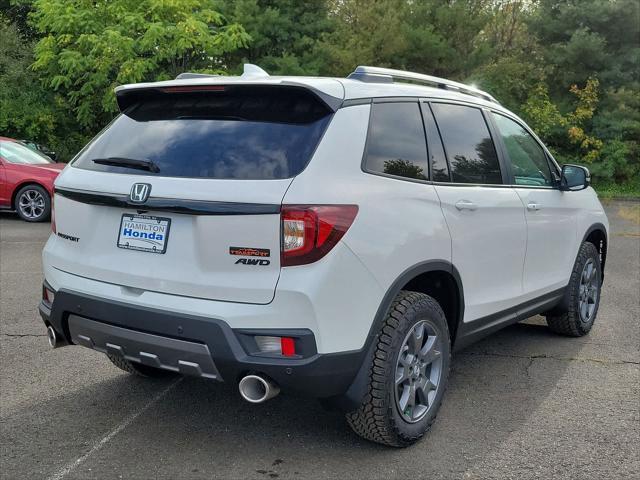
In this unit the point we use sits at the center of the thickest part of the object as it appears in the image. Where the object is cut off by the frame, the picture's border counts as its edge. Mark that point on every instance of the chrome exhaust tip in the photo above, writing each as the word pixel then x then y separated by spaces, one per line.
pixel 257 389
pixel 52 337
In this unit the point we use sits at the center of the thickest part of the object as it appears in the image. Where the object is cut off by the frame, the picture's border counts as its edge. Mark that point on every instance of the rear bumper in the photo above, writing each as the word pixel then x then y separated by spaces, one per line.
pixel 195 345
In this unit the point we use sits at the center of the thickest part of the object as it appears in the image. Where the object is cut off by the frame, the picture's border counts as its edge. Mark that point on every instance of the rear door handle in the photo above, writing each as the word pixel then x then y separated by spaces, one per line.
pixel 466 205
pixel 533 206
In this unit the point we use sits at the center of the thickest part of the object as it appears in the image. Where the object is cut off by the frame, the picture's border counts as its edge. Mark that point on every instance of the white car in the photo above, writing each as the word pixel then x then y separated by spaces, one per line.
pixel 335 237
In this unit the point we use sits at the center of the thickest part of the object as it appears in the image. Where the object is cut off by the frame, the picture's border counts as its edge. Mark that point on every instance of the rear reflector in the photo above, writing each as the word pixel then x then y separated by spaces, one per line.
pixel 309 232
pixel 280 345
pixel 48 295
pixel 287 346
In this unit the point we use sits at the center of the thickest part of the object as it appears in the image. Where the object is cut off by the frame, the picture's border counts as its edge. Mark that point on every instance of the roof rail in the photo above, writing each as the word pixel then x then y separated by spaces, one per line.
pixel 389 75
pixel 249 71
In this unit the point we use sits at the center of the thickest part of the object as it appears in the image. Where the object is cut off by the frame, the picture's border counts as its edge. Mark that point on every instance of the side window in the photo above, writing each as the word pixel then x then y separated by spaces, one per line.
pixel 468 144
pixel 437 158
pixel 528 160
pixel 396 144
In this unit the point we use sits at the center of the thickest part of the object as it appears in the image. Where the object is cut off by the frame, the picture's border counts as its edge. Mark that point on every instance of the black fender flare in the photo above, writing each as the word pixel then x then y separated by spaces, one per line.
pixel 352 398
pixel 563 305
pixel 603 255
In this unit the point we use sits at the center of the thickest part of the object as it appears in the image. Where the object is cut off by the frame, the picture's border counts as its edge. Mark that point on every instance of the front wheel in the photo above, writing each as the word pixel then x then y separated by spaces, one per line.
pixel 584 295
pixel 33 203
pixel 408 375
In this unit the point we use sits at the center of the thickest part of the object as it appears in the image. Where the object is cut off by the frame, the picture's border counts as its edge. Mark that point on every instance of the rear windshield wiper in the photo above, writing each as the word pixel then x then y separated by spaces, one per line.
pixel 138 164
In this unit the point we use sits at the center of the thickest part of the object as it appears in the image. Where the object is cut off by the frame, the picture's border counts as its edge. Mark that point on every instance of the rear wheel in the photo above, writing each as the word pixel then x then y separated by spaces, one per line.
pixel 33 203
pixel 584 295
pixel 138 368
pixel 409 373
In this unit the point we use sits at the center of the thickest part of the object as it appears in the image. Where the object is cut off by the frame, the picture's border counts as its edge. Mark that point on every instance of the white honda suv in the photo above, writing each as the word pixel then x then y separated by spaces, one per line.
pixel 335 237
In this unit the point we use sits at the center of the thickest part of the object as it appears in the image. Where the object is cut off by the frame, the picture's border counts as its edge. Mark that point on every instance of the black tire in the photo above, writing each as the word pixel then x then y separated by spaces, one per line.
pixel 138 368
pixel 379 418
pixel 572 321
pixel 30 213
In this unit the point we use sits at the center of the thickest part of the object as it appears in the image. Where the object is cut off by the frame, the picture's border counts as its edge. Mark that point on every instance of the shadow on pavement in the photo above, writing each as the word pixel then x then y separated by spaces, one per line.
pixel 201 428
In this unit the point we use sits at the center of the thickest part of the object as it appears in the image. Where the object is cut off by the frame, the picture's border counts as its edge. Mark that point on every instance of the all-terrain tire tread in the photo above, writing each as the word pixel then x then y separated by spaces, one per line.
pixel 568 323
pixel 373 419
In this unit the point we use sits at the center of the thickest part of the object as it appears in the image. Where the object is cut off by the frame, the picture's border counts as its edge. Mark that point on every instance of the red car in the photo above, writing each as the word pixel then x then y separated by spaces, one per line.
pixel 26 180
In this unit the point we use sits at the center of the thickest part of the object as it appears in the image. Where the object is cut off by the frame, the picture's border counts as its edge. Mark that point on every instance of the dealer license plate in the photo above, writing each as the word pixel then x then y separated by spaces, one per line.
pixel 144 233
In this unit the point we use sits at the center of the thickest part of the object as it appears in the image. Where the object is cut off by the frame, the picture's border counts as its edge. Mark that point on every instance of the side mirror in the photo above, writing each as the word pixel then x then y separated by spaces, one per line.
pixel 574 178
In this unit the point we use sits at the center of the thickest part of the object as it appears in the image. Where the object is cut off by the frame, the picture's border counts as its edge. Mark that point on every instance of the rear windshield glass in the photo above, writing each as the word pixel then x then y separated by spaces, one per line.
pixel 258 133
pixel 14 152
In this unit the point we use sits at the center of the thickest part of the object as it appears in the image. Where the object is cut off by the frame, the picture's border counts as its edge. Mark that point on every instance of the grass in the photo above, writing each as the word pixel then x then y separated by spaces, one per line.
pixel 630 212
pixel 630 190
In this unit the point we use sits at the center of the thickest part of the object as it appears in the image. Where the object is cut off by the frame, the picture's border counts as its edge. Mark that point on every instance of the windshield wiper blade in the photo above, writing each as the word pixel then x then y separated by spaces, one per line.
pixel 138 164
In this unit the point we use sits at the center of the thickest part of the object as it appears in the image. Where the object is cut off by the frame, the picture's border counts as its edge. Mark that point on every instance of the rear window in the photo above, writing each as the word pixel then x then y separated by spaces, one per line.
pixel 238 133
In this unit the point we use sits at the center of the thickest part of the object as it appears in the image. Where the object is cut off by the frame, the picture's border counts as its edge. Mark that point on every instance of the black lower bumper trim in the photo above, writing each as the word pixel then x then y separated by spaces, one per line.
pixel 122 324
pixel 181 356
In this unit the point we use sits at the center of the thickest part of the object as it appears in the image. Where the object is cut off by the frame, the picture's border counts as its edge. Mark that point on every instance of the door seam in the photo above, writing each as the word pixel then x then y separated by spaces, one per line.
pixel 526 238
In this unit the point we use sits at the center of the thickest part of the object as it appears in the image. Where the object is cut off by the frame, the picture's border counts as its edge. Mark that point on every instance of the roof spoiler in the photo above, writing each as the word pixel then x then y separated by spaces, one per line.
pixel 127 95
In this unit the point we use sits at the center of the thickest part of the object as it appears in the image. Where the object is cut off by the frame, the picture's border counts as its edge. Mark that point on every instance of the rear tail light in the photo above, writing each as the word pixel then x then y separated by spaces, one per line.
pixel 309 232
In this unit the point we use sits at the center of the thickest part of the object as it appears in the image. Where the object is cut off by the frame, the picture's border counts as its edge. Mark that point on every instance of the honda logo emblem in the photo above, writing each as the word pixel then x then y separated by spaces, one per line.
pixel 140 192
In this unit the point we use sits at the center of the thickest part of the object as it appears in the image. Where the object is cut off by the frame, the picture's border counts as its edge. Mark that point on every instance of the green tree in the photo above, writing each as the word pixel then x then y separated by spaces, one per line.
pixel 284 34
pixel 430 36
pixel 27 109
pixel 515 62
pixel 17 12
pixel 88 48
pixel 566 134
pixel 583 37
pixel 618 124
pixel 595 38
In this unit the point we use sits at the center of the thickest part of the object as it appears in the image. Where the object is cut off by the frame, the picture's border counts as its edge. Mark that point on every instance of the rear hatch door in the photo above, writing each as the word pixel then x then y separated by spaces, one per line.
pixel 181 194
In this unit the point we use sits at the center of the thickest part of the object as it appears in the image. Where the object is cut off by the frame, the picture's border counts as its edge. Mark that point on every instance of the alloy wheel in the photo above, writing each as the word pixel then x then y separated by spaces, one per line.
pixel 588 291
pixel 31 204
pixel 418 371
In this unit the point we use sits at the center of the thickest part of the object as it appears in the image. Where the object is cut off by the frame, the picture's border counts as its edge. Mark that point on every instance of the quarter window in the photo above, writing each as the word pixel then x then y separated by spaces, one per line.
pixel 528 160
pixel 396 143
pixel 468 144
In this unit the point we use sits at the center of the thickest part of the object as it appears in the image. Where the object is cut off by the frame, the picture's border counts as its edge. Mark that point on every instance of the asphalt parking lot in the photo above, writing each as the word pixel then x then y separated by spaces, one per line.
pixel 523 403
